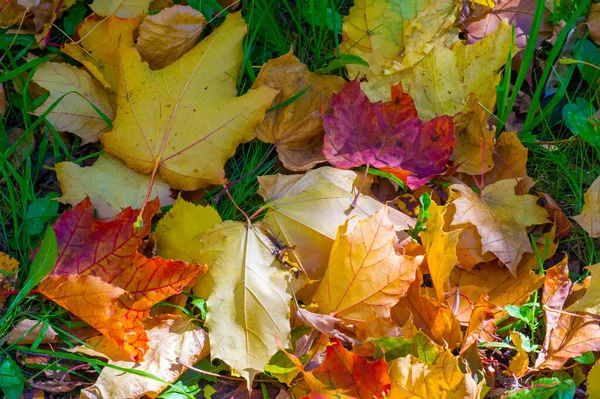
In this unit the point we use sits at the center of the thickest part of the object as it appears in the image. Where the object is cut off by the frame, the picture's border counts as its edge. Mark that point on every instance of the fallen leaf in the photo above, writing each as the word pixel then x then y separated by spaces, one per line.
pixel 563 224
pixel 497 282
pixel 365 276
pixel 482 327
pixel 440 249
pixel 593 22
pixel 593 381
pixel 9 268
pixel 184 121
pixel 509 160
pixel 590 303
pixel 589 218
pixel 434 85
pixel 420 346
pixel 411 378
pixel 391 37
pixel 296 129
pixel 99 39
pixel 386 135
pixel 474 148
pixel 110 185
pixel 344 374
pixel 81 106
pixel 519 363
pixel 305 211
pixel 568 335
pixel 120 8
pixel 100 278
pixel 170 339
pixel 57 386
pixel 326 324
pixel 11 14
pixel 166 36
pixel 177 233
pixel 248 301
pixel 500 217
pixel 27 331
pixel 434 319
pixel 468 249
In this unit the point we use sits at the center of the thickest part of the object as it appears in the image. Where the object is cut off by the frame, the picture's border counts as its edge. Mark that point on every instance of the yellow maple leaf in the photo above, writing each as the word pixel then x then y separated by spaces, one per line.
pixel 120 8
pixel 110 185
pixel 501 217
pixel 440 247
pixel 589 218
pixel 365 275
pixel 99 40
pixel 444 379
pixel 177 233
pixel 80 101
pixel 248 301
pixel 184 121
pixel 518 364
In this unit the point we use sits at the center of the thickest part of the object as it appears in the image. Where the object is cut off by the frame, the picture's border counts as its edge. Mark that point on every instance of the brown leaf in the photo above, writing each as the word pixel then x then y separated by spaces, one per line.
pixel 326 324
pixel 563 224
pixel 296 129
pixel 27 331
pixel 481 326
pixel 166 36
pixel 510 159
pixel 593 22
pixel 589 218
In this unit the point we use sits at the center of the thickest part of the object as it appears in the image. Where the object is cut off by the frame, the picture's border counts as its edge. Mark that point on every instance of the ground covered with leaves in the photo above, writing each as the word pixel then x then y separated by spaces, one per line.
pixel 300 199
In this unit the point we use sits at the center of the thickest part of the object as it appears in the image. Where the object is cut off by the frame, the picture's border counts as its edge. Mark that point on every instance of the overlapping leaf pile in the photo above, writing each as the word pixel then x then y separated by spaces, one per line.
pixel 336 292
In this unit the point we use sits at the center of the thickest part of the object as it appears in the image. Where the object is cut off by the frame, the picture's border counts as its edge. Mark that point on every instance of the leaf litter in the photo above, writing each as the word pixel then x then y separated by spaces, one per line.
pixel 328 290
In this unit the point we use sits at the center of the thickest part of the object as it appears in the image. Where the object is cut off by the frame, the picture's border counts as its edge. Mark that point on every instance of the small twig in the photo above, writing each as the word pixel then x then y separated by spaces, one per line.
pixel 362 183
pixel 549 309
pixel 225 377
pixel 237 207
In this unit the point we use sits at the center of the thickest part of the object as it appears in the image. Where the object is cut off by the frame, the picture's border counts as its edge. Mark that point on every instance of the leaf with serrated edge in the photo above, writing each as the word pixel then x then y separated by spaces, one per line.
pixel 589 218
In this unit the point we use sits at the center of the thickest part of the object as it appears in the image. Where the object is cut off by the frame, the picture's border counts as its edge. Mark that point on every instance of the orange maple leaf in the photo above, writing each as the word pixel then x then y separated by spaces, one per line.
pixel 101 278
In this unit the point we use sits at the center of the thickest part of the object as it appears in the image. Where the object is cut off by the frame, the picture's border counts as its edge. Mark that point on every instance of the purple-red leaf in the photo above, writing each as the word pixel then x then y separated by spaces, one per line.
pixel 386 135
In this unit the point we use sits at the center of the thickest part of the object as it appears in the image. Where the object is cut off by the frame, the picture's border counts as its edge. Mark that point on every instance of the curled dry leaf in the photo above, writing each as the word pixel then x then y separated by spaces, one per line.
pixel 101 278
pixel 184 121
pixel 248 301
pixel 434 85
pixel 562 222
pixel 589 218
pixel 99 39
pixel 177 233
pixel 27 331
pixel 427 315
pixel 593 23
pixel 296 129
pixel 440 249
pixel 120 8
pixel 590 303
pixel 304 211
pixel 80 100
pixel 166 36
pixel 411 378
pixel 386 135
pixel 481 326
pixel 326 324
pixel 494 280
pixel 500 217
pixel 365 276
pixel 468 249
pixel 392 38
pixel 170 338
pixel 110 186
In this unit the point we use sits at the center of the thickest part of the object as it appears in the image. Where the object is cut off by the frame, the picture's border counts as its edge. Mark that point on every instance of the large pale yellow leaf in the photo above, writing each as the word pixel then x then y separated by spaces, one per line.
pixel 110 185
pixel 177 233
pixel 589 218
pixel 184 121
pixel 440 248
pixel 501 218
pixel 305 212
pixel 78 94
pixel 296 129
pixel 365 275
pixel 99 39
pixel 590 303
pixel 392 35
pixel 441 82
pixel 120 8
pixel 248 302
pixel 411 378
pixel 166 36
pixel 170 338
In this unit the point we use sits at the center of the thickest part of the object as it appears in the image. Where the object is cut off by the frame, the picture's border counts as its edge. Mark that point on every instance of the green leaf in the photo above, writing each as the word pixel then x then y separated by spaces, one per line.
pixel 281 367
pixel 579 118
pixel 330 19
pixel 342 60
pixel 586 358
pixel 201 305
pixel 40 212
pixel 560 386
pixel 519 312
pixel 74 17
pixel 420 346
pixel 12 382
pixel 588 52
